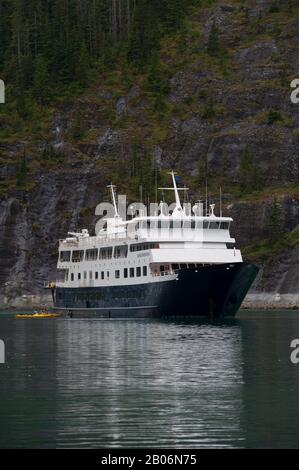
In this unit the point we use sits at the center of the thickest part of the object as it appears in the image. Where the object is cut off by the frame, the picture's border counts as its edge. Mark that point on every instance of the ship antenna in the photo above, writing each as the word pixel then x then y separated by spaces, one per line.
pixel 206 196
pixel 111 187
pixel 220 202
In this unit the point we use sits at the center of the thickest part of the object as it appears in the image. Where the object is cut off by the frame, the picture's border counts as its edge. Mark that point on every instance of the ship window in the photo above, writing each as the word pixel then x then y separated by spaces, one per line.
pixel 96 275
pixel 65 256
pixel 224 225
pixel 121 251
pixel 85 275
pixel 143 246
pixel 66 276
pixel 138 271
pixel 90 274
pixel 78 255
pixel 214 225
pixel 108 274
pixel 102 275
pixel 191 266
pixel 132 272
pixel 106 253
pixel 72 276
pixel 79 276
pixel 145 270
pixel 162 268
pixel 175 267
pixel 91 255
pixel 126 272
pixel 183 266
pixel 117 274
pixel 193 224
pixel 206 224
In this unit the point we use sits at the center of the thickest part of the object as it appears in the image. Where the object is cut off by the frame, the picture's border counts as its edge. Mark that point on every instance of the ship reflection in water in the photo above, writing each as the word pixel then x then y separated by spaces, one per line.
pixel 180 384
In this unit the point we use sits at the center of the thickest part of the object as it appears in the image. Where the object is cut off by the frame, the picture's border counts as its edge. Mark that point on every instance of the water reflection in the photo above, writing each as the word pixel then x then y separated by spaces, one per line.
pixel 76 383
pixel 271 381
pixel 149 384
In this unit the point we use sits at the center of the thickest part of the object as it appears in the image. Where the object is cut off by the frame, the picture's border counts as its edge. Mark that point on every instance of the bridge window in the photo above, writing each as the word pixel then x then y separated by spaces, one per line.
pixel 106 253
pixel 65 256
pixel 78 256
pixel 91 255
pixel 214 225
pixel 121 251
pixel 224 225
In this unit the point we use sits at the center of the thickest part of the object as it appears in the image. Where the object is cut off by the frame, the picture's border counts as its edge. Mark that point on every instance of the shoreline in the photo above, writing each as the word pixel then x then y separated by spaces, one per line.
pixel 253 301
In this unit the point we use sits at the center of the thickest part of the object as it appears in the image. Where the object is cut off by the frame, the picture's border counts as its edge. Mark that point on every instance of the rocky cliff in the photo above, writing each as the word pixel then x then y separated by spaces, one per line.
pixel 213 108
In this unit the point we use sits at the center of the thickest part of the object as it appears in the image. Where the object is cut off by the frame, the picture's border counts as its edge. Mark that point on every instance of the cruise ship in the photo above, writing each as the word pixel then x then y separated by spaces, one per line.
pixel 180 263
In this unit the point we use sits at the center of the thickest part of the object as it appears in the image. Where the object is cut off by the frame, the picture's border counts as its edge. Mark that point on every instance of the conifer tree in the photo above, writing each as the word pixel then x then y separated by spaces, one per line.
pixel 41 82
pixel 213 46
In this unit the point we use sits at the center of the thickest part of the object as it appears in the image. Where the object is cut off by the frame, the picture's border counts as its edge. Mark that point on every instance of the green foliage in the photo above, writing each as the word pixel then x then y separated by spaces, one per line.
pixel 274 7
pixel 22 171
pixel 157 85
pixel 266 250
pixel 290 6
pixel 249 174
pixel 213 46
pixel 151 20
pixel 274 221
pixel 209 110
pixel 41 80
pixel 273 117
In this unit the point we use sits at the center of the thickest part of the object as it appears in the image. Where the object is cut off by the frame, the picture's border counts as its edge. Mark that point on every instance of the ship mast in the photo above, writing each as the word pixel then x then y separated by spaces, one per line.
pixel 112 187
pixel 178 206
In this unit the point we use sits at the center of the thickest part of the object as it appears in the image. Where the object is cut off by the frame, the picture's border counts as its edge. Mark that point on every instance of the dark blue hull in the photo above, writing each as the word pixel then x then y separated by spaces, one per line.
pixel 209 291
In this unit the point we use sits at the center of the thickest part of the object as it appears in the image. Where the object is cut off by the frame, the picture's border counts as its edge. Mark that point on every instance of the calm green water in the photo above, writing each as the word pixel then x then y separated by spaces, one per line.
pixel 176 384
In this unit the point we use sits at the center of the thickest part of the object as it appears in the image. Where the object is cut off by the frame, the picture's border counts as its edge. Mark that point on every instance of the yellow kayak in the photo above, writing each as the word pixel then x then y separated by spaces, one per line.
pixel 38 315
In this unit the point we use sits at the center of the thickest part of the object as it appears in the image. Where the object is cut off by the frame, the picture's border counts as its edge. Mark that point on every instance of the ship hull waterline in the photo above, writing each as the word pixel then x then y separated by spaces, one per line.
pixel 209 291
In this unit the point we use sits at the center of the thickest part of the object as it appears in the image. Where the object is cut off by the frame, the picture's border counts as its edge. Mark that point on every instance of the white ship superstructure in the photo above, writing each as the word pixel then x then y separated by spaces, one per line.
pixel 137 256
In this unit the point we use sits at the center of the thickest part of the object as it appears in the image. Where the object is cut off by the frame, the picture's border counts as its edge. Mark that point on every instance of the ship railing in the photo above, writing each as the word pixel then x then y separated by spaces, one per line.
pixel 165 273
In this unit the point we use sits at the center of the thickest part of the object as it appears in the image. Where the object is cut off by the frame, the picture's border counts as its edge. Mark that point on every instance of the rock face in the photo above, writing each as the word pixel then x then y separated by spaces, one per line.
pixel 216 107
